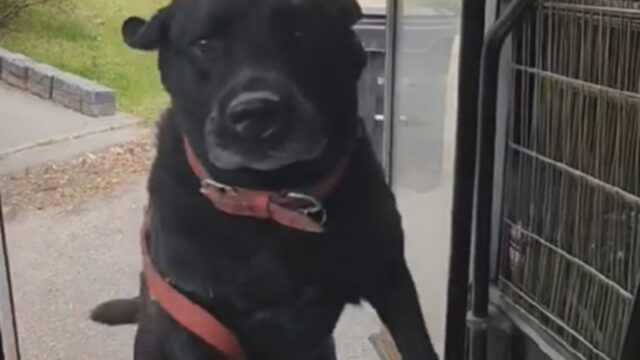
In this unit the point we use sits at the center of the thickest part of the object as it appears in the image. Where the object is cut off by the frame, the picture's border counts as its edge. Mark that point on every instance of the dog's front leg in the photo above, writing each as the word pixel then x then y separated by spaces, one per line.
pixel 396 301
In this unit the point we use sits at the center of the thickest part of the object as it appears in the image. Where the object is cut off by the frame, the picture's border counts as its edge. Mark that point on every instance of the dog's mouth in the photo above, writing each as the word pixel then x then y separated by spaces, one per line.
pixel 263 158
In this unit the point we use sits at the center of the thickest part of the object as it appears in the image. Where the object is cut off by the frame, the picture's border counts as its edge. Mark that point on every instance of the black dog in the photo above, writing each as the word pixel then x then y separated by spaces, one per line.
pixel 264 94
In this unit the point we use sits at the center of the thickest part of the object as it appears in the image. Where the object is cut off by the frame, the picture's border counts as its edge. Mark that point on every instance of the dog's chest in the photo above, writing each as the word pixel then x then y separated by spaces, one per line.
pixel 246 279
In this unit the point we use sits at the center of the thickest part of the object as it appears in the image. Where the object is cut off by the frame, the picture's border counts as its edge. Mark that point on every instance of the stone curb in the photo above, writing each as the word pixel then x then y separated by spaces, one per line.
pixel 69 90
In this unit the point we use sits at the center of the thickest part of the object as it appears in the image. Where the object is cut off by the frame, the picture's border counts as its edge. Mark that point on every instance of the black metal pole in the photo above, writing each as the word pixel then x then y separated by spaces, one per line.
pixel 631 346
pixel 390 87
pixel 471 39
pixel 490 62
pixel 8 327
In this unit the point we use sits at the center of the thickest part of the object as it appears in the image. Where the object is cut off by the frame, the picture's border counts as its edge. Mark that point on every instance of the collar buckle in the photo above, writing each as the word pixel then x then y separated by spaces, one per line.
pixel 313 208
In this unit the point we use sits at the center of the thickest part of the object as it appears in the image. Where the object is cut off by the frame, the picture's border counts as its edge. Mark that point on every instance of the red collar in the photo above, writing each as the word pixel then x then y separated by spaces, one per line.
pixel 294 209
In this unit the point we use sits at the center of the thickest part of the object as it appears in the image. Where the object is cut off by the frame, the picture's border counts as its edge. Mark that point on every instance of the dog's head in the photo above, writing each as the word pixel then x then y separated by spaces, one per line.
pixel 260 85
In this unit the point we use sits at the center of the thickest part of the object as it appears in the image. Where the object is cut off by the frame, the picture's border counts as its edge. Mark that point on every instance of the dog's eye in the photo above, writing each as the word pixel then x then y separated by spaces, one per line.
pixel 207 48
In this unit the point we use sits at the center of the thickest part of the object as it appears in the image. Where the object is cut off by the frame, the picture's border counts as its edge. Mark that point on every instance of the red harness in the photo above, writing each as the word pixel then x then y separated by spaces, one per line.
pixel 189 315
pixel 288 208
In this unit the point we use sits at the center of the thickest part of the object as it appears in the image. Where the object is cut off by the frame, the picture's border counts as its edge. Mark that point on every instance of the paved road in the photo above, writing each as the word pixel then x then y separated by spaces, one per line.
pixel 64 262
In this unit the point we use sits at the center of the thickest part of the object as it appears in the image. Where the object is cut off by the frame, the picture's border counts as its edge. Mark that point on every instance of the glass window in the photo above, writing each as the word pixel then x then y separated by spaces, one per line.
pixel 423 145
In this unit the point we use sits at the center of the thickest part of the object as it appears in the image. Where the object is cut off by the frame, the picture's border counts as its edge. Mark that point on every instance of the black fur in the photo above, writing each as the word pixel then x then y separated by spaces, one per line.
pixel 281 291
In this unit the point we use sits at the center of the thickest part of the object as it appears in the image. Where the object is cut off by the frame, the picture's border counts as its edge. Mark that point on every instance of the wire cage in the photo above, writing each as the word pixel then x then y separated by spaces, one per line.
pixel 570 222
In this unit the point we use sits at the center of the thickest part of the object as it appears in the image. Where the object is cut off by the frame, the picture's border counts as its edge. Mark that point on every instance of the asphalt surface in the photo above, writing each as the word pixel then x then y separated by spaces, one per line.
pixel 66 261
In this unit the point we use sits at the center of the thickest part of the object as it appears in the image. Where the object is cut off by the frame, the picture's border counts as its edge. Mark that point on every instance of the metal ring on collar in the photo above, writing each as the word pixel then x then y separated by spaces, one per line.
pixel 222 187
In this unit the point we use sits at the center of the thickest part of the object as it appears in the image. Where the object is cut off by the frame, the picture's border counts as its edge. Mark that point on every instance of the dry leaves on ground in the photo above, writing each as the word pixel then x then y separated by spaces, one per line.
pixel 65 184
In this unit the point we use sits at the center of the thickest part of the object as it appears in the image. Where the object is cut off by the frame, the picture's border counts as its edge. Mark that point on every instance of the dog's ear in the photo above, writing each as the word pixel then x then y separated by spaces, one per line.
pixel 351 10
pixel 146 35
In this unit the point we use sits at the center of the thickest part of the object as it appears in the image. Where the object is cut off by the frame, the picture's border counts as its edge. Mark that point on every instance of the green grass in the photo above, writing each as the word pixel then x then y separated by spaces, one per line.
pixel 83 37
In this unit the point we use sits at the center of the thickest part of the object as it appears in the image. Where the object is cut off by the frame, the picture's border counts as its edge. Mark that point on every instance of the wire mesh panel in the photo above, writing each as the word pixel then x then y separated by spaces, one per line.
pixel 571 211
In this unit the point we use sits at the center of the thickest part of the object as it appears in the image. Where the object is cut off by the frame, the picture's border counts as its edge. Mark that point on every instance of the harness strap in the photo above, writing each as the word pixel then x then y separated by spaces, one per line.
pixel 189 315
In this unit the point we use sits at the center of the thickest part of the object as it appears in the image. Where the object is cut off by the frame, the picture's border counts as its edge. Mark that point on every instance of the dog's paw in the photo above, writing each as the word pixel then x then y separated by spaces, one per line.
pixel 117 312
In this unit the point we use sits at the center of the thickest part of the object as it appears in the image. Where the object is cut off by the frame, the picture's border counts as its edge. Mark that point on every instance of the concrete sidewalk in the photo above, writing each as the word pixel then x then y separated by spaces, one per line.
pixel 35 131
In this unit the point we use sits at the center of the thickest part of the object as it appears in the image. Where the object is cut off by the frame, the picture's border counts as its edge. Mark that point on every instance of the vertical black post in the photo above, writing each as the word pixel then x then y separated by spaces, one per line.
pixel 490 62
pixel 631 345
pixel 471 40
pixel 390 87
pixel 8 329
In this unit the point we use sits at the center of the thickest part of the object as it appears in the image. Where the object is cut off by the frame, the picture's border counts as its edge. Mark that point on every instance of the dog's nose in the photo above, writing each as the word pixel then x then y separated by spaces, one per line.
pixel 255 114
